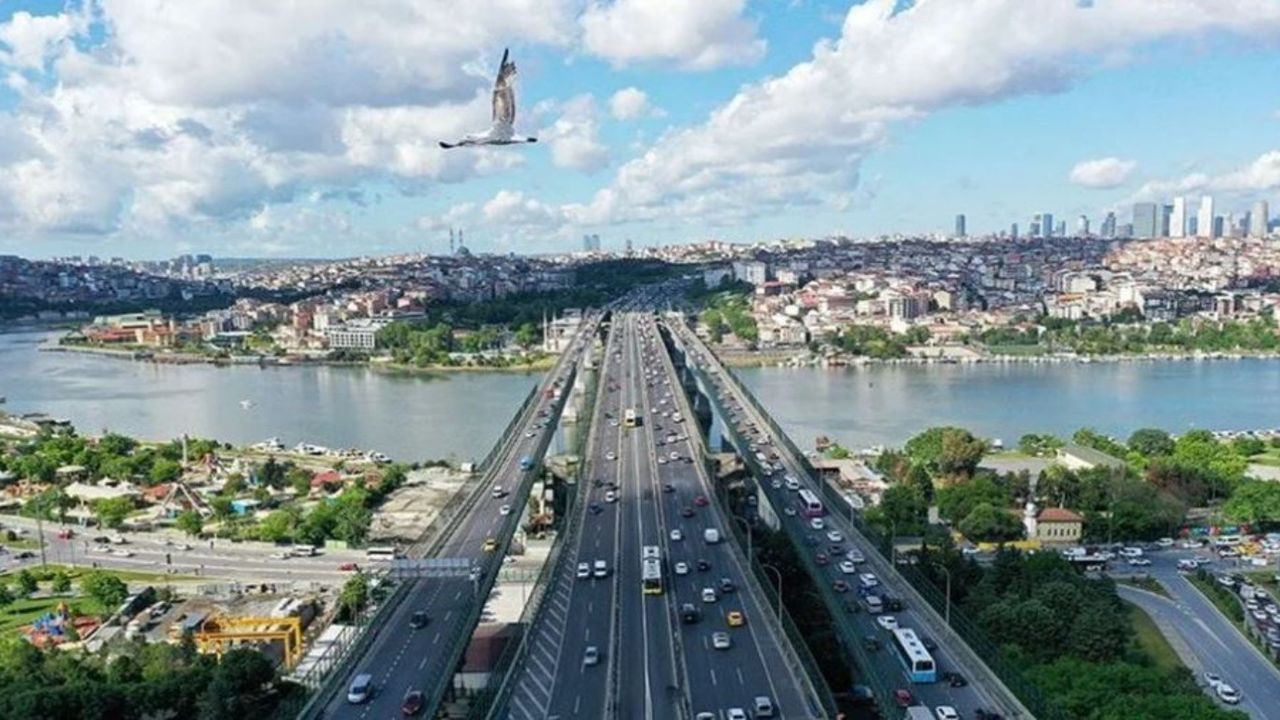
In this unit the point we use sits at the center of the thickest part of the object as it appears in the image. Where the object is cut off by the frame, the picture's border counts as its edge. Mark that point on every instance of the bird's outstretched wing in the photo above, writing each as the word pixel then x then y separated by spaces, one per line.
pixel 504 93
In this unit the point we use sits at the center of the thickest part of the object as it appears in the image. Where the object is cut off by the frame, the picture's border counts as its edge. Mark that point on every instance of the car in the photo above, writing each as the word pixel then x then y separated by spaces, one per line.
pixel 282 555
pixel 668 488
pixel 720 640
pixel 789 511
pixel 662 460
pixel 812 540
pixel 361 689
pixel 847 567
pixel 595 508
pixel 1139 562
pixel 840 586
pixel 419 620
pixel 66 534
pixel 946 712
pixel 412 703
pixel 703 565
pixel 700 501
pixel 708 595
pixel 817 523
pixel 726 585
pixel 689 614
pixel 929 644
pixel 686 512
pixel 902 698
pixel 736 714
pixel 1227 694
pixel 1213 680
pixel 122 553
pixel 102 548
pixel 835 536
pixel 345 567
pixel 490 544
pixel 705 716
pixel 591 656
pixel 611 496
pixel 735 618
pixel 888 622
pixel 776 484
pixel 677 535
pixel 611 455
pixel 682 568
pixel 954 679
pixel 820 558
pixel 871 642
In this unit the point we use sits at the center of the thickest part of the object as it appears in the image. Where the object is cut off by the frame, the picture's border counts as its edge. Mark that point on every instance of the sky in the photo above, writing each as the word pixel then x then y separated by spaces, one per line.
pixel 151 128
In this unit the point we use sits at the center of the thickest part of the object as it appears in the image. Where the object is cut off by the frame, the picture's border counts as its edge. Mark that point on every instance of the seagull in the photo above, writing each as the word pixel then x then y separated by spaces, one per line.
pixel 501 131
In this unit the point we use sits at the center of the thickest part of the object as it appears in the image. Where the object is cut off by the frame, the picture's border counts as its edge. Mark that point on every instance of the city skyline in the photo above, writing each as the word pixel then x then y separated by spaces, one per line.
pixel 754 122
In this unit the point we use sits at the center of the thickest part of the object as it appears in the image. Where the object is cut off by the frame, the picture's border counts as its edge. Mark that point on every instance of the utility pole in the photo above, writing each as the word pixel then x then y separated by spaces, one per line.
pixel 40 533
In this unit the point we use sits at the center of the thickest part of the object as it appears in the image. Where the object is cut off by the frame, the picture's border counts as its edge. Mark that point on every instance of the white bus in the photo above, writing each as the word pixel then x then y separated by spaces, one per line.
pixel 911 652
pixel 650 552
pixel 810 503
pixel 383 553
pixel 651 576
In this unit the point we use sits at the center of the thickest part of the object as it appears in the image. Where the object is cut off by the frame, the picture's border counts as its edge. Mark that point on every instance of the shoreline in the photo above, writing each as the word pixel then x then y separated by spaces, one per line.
pixel 753 359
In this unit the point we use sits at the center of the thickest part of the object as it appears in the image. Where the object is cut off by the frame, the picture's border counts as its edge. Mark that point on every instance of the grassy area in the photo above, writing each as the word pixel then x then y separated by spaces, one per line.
pixel 1149 584
pixel 1151 642
pixel 22 612
pixel 74 572
pixel 1017 350
pixel 1224 599
pixel 1270 457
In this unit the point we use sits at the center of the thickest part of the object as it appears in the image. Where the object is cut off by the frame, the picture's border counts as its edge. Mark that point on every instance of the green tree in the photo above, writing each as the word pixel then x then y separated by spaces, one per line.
pixel 987 523
pixel 6 595
pixel 299 480
pixel 947 451
pixel 116 445
pixel 60 582
pixel 1151 442
pixel 527 335
pixel 1039 445
pixel 237 685
pixel 354 596
pixel 279 525
pixel 956 502
pixel 26 582
pixel 112 512
pixel 106 588
pixel 164 471
pixel 189 522
pixel 903 510
pixel 1254 501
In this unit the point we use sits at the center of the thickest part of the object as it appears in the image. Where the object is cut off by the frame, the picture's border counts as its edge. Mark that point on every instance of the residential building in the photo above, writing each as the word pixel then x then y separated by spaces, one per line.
pixel 360 334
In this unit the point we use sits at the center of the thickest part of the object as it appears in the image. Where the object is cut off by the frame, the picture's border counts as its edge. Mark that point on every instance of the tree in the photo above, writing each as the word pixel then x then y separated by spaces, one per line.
pixel 234 485
pixel 107 589
pixel 116 445
pixel 164 471
pixel 1253 501
pixel 61 582
pixel 299 480
pixel 237 685
pixel 948 451
pixel 222 507
pixel 903 509
pixel 272 474
pixel 6 596
pixel 1151 442
pixel 957 501
pixel 918 477
pixel 279 525
pixel 27 583
pixel 189 522
pixel 112 512
pixel 987 523
pixel 527 335
pixel 354 596
pixel 1039 445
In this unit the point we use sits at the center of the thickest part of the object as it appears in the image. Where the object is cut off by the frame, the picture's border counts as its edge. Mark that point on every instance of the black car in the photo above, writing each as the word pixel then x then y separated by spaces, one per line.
pixel 419 620
pixel 668 488
pixel 726 585
pixel 689 613
pixel 594 508
pixel 863 695
pixel 954 679
pixel 811 540
pixel 928 643
pixel 895 604
pixel 981 714
pixel 871 642
pixel 686 511
pixel 703 565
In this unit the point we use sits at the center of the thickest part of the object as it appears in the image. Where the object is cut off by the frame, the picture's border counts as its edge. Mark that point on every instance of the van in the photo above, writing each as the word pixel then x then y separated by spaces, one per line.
pixel 764 706
pixel 601 569
pixel 361 689
pixel 711 536
pixel 303 551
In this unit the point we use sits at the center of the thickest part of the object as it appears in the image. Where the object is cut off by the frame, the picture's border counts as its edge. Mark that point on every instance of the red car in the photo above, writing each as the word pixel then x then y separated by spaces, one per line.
pixel 412 704
pixel 66 534
pixel 700 501
pixel 348 567
pixel 840 586
pixel 820 558
pixel 903 698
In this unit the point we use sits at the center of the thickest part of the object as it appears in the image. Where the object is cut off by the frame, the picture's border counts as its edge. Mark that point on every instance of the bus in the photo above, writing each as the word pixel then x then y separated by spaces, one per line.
pixel 651 576
pixel 630 418
pixel 914 657
pixel 383 553
pixel 810 503
pixel 650 552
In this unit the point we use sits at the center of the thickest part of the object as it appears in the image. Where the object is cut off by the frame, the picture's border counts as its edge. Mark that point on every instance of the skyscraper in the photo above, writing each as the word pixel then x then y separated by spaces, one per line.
pixel 1204 218
pixel 1258 219
pixel 1108 229
pixel 1165 219
pixel 1013 231
pixel 960 225
pixel 1178 218
pixel 1082 226
pixel 1046 225
pixel 1145 220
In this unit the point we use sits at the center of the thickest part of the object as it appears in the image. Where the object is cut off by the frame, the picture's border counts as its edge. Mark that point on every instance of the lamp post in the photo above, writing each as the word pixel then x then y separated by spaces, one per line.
pixel 746 525
pixel 777 575
pixel 947 612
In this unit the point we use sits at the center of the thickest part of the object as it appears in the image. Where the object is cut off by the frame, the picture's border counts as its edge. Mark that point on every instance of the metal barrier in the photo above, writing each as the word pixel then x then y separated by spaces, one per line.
pixel 974 643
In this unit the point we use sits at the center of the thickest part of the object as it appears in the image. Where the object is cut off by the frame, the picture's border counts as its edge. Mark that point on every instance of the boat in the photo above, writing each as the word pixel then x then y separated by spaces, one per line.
pixel 246 404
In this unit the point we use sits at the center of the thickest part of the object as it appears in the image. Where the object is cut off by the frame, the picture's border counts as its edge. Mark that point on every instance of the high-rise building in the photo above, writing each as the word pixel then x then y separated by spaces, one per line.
pixel 1219 226
pixel 1125 230
pixel 1108 229
pixel 1204 217
pixel 1060 230
pixel 1082 226
pixel 1145 220
pixel 1046 224
pixel 1193 226
pixel 1166 218
pixel 1033 230
pixel 1178 218
pixel 1013 231
pixel 960 225
pixel 1258 219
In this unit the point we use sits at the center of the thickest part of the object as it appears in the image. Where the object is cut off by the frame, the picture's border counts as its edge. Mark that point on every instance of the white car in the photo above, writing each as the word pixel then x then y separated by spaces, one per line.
pixel 736 714
pixel 888 622
pixel 1213 680
pixel 122 553
pixel 504 510
pixel 835 536
pixel 675 455
pixel 855 556
pixel 677 535
pixel 682 568
pixel 1227 694
pixel 720 640
pixel 708 595
pixel 946 712
pixel 584 570
pixel 611 455
pixel 847 567
pixel 789 511
pixel 102 548
pixel 817 523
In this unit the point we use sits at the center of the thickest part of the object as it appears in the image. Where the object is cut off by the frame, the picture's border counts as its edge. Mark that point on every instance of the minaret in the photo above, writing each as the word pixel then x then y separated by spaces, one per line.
pixel 1029 519
pixel 451 241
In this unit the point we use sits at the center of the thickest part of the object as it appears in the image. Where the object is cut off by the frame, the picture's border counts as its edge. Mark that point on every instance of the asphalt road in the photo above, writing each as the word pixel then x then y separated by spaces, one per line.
pixel 402 659
pixel 1194 626
pixel 964 699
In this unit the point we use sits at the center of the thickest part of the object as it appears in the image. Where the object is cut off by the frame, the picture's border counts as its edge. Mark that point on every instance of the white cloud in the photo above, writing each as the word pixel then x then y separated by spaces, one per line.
pixel 697 35
pixel 1105 172
pixel 632 103
pixel 800 137
pixel 513 208
pixel 27 41
pixel 575 136
pixel 1258 179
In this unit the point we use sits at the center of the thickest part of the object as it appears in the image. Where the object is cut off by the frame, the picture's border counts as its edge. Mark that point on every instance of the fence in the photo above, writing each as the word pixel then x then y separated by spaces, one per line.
pixel 976 640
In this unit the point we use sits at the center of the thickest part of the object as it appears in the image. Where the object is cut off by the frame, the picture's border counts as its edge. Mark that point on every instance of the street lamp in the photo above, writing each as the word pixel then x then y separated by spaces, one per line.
pixel 778 576
pixel 746 525
pixel 947 611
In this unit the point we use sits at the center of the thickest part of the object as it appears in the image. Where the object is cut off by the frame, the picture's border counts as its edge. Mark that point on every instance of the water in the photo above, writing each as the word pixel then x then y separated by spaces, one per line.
pixel 459 415
pixel 407 416
pixel 887 404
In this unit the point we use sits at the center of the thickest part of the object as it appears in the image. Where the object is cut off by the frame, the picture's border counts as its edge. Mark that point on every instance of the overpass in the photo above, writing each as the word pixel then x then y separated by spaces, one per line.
pixel 647 486
pixel 773 460
pixel 448 579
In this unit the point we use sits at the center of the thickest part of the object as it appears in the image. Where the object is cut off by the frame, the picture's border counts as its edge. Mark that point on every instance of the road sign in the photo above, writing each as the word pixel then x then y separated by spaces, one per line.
pixel 408 568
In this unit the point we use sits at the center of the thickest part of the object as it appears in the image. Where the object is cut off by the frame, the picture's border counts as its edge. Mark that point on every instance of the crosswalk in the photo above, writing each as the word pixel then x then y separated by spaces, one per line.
pixel 531 697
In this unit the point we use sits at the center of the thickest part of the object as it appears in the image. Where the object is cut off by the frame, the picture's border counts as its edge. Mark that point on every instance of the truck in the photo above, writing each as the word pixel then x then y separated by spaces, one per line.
pixel 526 463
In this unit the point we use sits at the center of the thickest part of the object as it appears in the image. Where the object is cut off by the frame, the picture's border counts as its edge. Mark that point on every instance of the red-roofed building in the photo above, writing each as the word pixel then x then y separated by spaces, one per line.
pixel 1059 526
pixel 326 479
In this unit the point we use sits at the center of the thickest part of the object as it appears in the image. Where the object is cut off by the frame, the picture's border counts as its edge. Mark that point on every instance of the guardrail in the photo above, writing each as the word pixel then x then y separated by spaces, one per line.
pixel 971 640
pixel 490 703
pixel 802 664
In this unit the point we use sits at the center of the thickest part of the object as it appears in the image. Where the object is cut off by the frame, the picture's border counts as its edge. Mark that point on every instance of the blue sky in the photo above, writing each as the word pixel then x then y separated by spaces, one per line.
pixel 236 128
